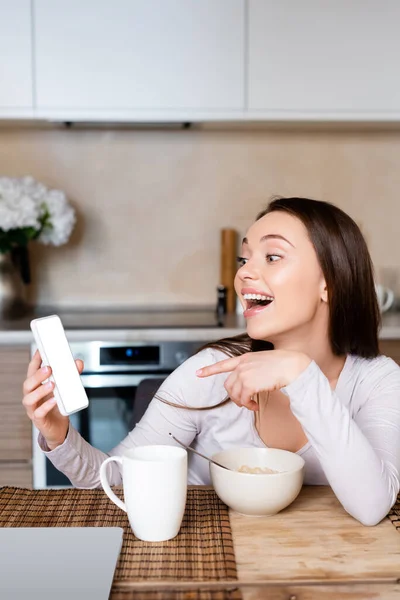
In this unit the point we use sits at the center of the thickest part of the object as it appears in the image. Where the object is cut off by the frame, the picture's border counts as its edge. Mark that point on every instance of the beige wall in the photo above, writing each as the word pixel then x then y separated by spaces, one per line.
pixel 150 203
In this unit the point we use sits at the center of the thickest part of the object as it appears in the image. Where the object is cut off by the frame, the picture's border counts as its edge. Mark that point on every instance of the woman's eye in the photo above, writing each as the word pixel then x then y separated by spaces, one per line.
pixel 241 261
pixel 273 258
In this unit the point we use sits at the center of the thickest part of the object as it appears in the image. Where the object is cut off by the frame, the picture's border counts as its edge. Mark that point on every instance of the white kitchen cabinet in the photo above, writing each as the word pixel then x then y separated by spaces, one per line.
pixel 323 59
pixel 139 58
pixel 15 57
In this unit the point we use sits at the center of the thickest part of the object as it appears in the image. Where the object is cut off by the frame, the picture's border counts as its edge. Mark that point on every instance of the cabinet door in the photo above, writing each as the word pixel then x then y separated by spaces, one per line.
pixel 314 57
pixel 15 55
pixel 16 474
pixel 15 426
pixel 142 55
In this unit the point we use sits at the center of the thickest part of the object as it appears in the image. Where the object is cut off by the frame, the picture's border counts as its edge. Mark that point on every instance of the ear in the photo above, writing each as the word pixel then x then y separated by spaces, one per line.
pixel 324 292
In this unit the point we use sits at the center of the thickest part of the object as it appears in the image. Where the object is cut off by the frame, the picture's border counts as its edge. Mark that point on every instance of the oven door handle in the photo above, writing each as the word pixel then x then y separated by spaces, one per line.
pixel 110 380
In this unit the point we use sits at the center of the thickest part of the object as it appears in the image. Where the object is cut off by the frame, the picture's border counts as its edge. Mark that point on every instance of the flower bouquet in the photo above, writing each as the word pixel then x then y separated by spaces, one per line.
pixel 29 211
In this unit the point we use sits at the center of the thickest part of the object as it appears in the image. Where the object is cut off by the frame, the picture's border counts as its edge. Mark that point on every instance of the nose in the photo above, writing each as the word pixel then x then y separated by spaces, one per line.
pixel 249 271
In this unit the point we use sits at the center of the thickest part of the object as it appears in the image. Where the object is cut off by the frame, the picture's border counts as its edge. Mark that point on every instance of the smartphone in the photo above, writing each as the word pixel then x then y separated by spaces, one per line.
pixel 55 352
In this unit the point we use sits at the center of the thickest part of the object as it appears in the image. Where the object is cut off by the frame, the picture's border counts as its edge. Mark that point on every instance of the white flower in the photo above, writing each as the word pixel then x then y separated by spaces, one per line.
pixel 62 219
pixel 17 208
pixel 32 188
pixel 24 202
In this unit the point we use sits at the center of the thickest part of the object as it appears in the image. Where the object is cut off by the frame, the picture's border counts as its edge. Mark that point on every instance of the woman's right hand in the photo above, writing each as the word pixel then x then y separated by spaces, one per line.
pixel 40 404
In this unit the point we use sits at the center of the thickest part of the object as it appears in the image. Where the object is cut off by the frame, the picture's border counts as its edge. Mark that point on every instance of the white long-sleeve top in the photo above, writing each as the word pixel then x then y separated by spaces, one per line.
pixel 353 432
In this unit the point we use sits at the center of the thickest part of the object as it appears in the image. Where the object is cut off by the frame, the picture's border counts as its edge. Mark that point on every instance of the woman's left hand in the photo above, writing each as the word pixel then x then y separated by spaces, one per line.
pixel 255 372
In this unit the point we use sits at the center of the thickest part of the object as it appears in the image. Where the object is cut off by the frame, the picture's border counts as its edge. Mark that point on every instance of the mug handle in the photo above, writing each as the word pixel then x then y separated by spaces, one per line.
pixel 106 485
pixel 389 299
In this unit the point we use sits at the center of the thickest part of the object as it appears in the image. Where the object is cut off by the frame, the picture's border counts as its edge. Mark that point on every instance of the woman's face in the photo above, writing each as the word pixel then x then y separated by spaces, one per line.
pixel 279 266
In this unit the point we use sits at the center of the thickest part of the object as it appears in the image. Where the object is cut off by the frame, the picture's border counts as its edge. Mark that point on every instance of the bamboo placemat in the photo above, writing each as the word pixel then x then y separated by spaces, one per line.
pixel 394 514
pixel 202 551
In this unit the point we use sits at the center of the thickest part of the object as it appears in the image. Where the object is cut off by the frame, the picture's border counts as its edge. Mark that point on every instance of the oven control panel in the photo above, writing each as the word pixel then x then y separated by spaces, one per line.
pixel 103 357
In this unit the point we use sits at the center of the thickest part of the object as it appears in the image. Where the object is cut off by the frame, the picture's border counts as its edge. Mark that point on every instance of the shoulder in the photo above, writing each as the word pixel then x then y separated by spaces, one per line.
pixel 381 373
pixel 183 385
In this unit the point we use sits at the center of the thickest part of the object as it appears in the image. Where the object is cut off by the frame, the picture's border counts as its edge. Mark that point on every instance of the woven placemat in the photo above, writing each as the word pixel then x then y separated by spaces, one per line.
pixel 202 551
pixel 394 514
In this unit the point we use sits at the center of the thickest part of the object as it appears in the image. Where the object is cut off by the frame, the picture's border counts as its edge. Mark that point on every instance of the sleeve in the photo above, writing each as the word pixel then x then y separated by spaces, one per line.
pixel 80 461
pixel 361 455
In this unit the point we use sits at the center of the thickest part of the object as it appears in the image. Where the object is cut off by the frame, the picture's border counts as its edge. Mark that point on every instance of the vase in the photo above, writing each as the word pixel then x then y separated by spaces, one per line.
pixel 12 289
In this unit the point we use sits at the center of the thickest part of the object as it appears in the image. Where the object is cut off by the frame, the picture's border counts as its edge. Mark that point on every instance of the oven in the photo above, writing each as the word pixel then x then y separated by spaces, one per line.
pixel 120 379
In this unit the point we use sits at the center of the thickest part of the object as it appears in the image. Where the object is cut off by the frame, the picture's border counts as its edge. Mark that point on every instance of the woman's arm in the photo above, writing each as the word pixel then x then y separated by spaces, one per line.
pixel 360 456
pixel 80 461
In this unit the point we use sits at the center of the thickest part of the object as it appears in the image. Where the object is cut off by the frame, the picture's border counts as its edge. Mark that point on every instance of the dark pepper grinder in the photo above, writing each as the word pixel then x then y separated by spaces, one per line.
pixel 222 294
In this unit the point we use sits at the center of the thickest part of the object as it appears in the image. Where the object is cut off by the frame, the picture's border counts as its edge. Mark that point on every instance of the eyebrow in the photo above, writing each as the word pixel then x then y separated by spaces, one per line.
pixel 268 237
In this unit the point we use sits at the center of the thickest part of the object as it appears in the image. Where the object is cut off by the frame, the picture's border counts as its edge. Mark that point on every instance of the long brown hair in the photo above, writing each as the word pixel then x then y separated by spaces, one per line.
pixel 354 315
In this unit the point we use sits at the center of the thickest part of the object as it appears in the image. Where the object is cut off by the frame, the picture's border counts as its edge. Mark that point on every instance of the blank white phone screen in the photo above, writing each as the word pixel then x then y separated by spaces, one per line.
pixel 59 356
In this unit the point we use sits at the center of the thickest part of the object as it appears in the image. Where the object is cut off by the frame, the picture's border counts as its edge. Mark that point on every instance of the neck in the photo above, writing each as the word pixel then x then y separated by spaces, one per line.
pixel 317 347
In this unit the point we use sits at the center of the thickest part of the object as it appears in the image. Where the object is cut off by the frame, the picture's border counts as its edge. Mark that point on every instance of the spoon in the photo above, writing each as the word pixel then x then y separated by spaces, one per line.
pixel 199 454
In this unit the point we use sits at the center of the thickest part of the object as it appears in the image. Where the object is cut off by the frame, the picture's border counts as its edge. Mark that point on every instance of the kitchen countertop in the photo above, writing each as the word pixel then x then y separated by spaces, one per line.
pixel 130 326
pixel 98 324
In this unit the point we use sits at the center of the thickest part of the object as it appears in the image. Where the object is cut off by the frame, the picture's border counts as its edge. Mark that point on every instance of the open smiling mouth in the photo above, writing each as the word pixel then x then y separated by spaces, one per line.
pixel 256 302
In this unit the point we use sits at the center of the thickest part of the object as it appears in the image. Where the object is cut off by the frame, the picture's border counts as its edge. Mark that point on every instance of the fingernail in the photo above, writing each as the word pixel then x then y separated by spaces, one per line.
pixel 199 371
pixel 45 369
pixel 49 385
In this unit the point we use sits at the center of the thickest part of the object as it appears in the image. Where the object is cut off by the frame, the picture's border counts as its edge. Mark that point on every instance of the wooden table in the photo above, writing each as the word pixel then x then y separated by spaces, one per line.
pixel 312 550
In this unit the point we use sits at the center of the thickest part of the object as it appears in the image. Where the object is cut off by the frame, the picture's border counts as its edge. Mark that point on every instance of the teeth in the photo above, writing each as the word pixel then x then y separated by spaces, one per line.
pixel 257 297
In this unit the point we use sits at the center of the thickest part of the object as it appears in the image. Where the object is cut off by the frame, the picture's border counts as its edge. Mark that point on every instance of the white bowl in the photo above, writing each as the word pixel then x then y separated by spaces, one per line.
pixel 257 494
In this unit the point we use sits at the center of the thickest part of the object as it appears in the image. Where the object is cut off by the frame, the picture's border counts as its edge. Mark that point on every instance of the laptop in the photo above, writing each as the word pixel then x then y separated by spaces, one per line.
pixel 58 563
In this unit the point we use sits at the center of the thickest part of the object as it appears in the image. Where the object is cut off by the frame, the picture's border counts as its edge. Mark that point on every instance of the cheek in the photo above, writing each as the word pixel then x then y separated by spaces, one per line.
pixel 285 278
pixel 295 286
pixel 237 283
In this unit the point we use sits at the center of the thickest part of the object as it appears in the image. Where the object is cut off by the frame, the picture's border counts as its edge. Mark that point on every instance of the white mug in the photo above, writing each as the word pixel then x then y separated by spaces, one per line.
pixel 155 488
pixel 385 297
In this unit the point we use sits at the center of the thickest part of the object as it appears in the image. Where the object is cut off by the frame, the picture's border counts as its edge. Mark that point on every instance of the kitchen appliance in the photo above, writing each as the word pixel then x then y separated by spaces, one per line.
pixel 120 379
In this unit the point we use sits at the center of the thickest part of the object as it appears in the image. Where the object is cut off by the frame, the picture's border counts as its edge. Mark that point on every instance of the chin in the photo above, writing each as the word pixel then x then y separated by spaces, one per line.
pixel 257 332
pixel 268 332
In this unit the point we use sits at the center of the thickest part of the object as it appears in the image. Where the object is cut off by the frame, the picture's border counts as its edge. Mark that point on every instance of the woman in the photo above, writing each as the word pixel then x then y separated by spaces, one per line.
pixel 307 378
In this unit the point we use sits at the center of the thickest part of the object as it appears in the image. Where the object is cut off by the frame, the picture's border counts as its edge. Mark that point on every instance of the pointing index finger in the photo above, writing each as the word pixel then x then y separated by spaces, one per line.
pixel 222 366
